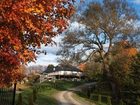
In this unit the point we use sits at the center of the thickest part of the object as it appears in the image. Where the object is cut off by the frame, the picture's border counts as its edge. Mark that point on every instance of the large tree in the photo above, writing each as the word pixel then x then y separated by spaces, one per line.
pixel 103 24
pixel 26 24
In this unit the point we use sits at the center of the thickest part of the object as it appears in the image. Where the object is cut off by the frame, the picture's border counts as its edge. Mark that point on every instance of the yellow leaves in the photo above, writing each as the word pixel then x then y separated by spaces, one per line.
pixel 39 9
pixel 16 47
pixel 34 8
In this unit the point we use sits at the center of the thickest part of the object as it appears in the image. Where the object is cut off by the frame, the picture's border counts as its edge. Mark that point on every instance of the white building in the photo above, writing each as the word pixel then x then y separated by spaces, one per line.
pixel 63 72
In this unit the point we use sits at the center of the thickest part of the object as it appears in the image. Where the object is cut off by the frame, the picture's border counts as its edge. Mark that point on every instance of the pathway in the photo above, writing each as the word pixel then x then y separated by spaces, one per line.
pixel 66 97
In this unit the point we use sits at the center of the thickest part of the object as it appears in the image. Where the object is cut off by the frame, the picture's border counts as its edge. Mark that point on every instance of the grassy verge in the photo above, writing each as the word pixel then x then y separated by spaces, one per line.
pixel 83 98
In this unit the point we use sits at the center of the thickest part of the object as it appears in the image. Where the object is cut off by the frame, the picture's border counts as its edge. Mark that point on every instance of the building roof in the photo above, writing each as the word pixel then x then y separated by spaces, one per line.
pixel 61 68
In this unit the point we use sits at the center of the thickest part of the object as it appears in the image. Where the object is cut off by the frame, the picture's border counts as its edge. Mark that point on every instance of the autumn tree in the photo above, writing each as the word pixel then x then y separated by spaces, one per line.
pixel 25 25
pixel 103 24
pixel 9 76
pixel 120 67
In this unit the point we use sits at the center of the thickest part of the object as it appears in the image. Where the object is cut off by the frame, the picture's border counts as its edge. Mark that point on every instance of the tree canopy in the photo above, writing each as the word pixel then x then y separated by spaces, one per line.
pixel 26 24
pixel 103 24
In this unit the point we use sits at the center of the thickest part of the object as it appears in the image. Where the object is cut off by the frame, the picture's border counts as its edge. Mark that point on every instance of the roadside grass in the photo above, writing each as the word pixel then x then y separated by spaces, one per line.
pixel 82 97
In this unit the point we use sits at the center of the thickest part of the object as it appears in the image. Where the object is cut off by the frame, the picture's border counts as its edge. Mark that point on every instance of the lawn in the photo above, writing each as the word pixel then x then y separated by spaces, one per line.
pixel 46 97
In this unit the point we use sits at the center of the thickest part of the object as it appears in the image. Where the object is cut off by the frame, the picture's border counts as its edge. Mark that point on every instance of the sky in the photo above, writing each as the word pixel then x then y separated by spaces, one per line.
pixel 51 57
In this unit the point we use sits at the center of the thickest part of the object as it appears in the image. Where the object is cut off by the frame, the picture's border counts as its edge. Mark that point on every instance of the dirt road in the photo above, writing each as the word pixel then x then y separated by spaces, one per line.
pixel 66 98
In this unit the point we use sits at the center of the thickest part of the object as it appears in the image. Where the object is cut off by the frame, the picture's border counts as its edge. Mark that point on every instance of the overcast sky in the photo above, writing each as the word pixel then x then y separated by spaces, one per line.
pixel 51 57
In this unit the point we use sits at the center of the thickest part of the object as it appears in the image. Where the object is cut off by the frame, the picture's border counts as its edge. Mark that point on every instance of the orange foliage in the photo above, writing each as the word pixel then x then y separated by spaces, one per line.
pixel 82 66
pixel 131 51
pixel 127 49
pixel 11 75
pixel 124 55
pixel 128 53
pixel 26 24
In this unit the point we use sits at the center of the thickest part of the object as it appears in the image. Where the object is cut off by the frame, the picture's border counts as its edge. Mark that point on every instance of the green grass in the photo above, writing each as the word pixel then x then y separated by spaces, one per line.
pixel 65 85
pixel 46 97
pixel 46 91
pixel 83 99
pixel 25 96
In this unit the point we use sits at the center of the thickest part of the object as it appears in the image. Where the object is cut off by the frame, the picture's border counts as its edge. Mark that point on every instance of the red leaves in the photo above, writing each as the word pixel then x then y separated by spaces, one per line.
pixel 7 76
pixel 25 23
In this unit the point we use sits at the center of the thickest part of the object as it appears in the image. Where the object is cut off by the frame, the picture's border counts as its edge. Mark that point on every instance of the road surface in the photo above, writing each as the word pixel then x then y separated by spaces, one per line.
pixel 66 98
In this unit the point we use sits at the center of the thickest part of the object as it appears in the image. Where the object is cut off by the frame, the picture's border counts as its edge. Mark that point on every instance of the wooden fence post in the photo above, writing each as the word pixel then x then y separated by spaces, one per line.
pixel 14 94
pixel 109 100
pixel 19 101
pixel 99 98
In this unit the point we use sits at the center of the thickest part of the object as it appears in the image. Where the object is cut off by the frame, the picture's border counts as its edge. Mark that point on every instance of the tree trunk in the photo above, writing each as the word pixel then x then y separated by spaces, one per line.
pixel 108 75
pixel 115 92
pixel 115 88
